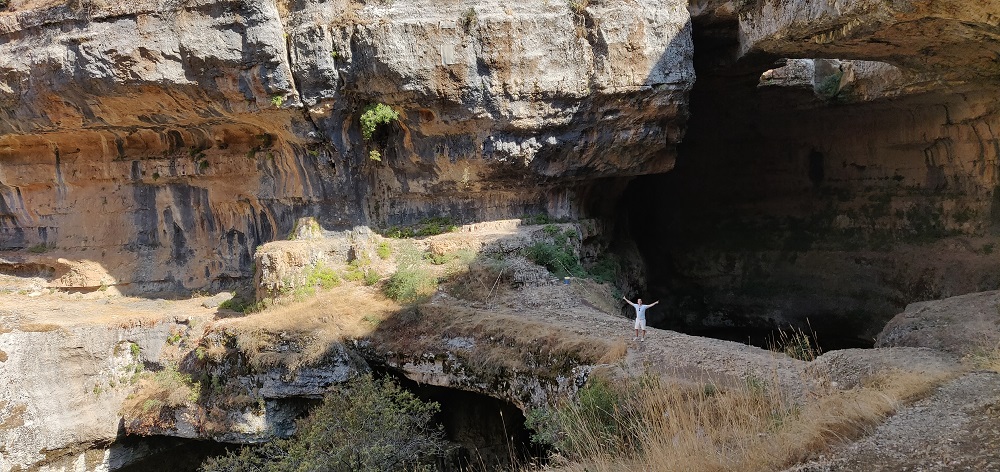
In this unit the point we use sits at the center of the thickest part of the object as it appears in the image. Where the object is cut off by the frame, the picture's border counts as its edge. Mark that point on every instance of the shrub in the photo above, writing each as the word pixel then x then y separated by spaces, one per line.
pixel 410 284
pixel 578 7
pixel 277 101
pixel 469 19
pixel 574 428
pixel 374 116
pixel 384 250
pixel 38 249
pixel 323 276
pixel 557 258
pixel 412 281
pixel 425 227
pixel 368 425
pixel 156 394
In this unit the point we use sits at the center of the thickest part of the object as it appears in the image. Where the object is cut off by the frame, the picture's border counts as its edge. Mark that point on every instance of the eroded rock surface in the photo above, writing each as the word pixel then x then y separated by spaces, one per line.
pixel 166 140
pixel 962 325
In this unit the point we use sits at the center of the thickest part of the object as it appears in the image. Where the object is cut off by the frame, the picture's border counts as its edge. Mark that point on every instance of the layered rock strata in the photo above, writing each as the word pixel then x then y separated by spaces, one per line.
pixel 167 139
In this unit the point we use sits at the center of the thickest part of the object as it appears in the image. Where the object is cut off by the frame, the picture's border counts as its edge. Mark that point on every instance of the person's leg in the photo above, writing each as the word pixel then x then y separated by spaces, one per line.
pixel 636 330
pixel 643 338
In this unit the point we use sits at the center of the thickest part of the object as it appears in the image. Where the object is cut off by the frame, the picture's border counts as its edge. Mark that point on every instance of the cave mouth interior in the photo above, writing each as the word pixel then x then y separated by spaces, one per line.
pixel 726 237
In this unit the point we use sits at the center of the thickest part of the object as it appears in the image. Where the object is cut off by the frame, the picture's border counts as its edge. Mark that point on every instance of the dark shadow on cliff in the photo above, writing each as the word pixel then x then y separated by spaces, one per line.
pixel 785 208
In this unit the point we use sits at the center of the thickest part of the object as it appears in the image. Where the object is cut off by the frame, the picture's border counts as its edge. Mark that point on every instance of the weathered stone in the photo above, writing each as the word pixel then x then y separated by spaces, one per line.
pixel 225 122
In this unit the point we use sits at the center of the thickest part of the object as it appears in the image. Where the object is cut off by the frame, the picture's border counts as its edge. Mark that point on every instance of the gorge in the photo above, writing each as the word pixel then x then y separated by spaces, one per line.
pixel 753 165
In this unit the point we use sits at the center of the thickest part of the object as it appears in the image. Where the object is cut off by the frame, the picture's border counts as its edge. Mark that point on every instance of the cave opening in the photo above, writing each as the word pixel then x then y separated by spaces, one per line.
pixel 488 434
pixel 737 241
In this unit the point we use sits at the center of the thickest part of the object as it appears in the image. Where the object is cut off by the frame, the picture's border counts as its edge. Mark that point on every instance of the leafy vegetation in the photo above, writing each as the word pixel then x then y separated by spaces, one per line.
pixel 469 19
pixel 374 116
pixel 426 227
pixel 595 413
pixel 411 282
pixel 316 276
pixel 156 394
pixel 367 425
pixel 38 249
pixel 384 250
pixel 557 253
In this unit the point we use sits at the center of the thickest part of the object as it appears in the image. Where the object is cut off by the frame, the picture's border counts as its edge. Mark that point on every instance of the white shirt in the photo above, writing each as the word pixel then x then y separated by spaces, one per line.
pixel 640 310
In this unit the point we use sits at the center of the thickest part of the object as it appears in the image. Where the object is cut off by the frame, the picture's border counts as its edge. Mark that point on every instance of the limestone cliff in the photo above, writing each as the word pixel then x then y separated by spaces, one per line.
pixel 167 139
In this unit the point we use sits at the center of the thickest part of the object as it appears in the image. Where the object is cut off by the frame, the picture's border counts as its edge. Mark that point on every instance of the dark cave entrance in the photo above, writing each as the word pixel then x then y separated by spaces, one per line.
pixel 735 240
pixel 489 434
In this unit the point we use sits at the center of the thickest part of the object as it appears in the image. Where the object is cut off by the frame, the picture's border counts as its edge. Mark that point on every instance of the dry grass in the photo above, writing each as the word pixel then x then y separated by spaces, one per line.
pixel 503 342
pixel 39 327
pixel 985 359
pixel 312 326
pixel 670 427
pixel 155 396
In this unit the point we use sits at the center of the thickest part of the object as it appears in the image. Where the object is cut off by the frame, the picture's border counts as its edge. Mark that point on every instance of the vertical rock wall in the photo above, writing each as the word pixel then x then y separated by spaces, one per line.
pixel 167 139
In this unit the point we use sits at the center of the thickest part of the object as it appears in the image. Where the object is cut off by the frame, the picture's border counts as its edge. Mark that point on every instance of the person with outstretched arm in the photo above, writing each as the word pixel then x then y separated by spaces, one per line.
pixel 640 317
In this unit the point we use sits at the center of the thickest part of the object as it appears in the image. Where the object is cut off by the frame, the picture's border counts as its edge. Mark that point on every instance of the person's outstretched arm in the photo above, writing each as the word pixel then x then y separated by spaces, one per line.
pixel 627 301
pixel 654 303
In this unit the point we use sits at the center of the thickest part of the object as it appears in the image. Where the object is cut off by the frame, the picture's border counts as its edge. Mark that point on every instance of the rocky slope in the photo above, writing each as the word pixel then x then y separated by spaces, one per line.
pixel 81 390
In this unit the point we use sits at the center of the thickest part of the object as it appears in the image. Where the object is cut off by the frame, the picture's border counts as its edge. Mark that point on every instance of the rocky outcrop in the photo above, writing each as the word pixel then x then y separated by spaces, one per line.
pixel 953 38
pixel 168 139
pixel 62 387
pixel 962 325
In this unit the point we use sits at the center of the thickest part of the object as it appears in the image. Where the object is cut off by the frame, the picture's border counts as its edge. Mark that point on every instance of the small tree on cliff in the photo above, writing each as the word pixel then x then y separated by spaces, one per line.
pixel 368 425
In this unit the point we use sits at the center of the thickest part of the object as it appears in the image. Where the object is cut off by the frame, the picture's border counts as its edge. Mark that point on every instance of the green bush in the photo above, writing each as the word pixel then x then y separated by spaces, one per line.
pixel 368 425
pixel 557 258
pixel 323 276
pixel 410 284
pixel 425 227
pixel 384 250
pixel 412 281
pixel 374 116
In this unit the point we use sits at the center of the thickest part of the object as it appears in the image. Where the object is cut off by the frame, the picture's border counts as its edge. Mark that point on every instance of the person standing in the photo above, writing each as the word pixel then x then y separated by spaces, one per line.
pixel 640 317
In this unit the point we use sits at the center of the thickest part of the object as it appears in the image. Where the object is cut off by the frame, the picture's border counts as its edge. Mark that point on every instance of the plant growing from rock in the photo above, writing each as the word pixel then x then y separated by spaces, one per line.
pixel 374 116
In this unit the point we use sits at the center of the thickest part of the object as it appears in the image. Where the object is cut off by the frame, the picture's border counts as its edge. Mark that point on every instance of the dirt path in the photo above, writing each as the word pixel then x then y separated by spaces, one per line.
pixel 957 428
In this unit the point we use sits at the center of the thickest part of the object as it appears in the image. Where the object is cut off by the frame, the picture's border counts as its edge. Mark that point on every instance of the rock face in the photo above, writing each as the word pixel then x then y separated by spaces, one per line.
pixel 962 325
pixel 62 387
pixel 952 37
pixel 833 190
pixel 167 139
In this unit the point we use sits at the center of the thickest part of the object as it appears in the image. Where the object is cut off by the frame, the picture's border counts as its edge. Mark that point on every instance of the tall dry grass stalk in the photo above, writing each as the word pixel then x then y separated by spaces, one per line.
pixel 660 427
